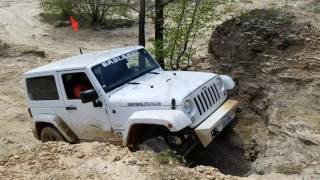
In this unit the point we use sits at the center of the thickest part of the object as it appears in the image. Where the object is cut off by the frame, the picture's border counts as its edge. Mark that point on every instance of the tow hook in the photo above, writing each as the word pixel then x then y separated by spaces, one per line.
pixel 215 132
pixel 238 110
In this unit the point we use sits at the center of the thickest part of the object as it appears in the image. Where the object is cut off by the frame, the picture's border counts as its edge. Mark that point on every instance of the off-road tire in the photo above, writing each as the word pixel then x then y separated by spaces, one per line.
pixel 50 134
pixel 156 144
pixel 231 125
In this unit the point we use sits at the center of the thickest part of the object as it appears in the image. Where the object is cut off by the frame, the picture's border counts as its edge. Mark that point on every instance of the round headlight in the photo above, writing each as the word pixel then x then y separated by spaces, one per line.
pixel 219 83
pixel 187 106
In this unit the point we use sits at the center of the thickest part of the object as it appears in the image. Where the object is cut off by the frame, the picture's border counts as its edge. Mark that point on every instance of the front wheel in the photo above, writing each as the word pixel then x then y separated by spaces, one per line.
pixel 231 125
pixel 156 144
pixel 50 134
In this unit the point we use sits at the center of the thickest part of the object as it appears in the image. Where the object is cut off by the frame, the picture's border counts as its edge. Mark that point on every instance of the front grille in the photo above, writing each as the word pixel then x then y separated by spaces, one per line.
pixel 207 98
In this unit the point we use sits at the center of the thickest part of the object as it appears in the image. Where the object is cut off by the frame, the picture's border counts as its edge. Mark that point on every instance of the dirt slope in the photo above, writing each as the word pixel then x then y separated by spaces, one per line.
pixel 14 119
pixel 274 56
pixel 101 161
pixel 95 161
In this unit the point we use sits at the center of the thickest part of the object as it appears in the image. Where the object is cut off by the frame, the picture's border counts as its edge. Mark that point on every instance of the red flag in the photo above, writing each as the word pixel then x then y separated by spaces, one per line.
pixel 74 24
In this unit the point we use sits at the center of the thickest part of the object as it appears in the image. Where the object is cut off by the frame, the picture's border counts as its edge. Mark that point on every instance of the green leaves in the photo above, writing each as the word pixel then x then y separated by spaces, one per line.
pixel 98 12
pixel 185 22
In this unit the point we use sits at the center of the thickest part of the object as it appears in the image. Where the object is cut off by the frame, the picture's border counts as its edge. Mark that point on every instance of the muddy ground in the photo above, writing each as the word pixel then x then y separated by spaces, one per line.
pixel 273 55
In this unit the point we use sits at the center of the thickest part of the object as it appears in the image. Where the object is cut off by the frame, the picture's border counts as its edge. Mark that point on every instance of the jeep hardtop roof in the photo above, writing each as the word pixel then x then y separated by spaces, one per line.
pixel 81 61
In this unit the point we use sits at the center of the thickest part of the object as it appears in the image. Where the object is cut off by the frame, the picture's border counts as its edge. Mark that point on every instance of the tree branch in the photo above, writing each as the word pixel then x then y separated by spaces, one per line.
pixel 189 30
pixel 164 3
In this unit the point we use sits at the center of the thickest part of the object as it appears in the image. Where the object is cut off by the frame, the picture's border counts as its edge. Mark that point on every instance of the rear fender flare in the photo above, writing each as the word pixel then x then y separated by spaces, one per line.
pixel 59 124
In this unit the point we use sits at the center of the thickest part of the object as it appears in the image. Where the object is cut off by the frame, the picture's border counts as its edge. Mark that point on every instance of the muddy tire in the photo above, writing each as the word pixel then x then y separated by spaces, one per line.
pixel 156 144
pixel 231 125
pixel 50 134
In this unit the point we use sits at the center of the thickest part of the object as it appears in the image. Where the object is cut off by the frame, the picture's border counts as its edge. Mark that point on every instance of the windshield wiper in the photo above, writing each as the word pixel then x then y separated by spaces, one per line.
pixel 135 83
pixel 154 73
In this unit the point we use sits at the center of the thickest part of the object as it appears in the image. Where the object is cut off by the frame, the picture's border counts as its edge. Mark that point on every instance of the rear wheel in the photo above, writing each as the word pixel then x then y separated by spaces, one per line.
pixel 50 134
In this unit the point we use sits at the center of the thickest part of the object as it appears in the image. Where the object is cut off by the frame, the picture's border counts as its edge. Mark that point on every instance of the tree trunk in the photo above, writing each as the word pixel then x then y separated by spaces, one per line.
pixel 159 21
pixel 142 19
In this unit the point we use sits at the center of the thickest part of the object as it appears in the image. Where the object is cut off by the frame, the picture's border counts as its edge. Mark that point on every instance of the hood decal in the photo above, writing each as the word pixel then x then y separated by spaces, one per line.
pixel 134 104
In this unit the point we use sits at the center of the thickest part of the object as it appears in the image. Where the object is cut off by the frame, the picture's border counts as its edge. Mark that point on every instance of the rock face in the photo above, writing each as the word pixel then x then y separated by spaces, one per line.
pixel 274 57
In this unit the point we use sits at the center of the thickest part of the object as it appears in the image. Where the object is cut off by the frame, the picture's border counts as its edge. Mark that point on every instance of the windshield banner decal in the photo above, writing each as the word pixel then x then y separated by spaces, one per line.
pixel 118 59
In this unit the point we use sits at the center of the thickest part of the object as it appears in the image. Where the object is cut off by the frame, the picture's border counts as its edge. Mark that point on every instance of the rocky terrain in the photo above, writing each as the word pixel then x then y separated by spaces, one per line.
pixel 96 161
pixel 103 161
pixel 272 53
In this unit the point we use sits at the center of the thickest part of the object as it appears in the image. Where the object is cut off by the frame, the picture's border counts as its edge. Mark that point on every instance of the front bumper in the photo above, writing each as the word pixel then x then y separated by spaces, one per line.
pixel 216 122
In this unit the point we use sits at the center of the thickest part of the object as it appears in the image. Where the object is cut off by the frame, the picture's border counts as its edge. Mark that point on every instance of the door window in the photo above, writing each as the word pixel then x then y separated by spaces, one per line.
pixel 74 83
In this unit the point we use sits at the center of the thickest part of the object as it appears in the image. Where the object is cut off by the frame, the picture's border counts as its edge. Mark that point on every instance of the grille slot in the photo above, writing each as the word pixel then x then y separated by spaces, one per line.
pixel 213 91
pixel 207 98
pixel 211 95
pixel 195 100
pixel 216 90
pixel 201 103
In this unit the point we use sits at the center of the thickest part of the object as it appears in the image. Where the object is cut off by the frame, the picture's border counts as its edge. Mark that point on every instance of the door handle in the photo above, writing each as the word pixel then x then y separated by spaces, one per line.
pixel 71 108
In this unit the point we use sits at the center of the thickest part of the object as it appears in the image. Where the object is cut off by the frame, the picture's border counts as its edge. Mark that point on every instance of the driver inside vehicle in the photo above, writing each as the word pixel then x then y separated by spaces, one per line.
pixel 82 85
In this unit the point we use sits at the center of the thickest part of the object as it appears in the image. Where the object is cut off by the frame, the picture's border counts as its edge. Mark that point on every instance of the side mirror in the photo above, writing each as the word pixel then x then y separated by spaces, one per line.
pixel 88 96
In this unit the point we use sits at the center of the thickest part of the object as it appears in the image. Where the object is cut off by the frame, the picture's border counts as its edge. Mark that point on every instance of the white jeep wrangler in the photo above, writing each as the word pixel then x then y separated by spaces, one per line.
pixel 124 97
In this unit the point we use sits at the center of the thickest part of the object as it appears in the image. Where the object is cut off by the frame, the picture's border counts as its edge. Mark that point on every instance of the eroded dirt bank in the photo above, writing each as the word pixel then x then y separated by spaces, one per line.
pixel 274 56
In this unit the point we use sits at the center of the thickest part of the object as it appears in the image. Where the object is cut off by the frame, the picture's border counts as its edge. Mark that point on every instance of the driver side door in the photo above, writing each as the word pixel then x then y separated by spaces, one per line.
pixel 87 122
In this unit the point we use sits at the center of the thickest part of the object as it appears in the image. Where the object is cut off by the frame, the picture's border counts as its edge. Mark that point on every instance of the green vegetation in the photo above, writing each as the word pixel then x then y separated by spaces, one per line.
pixel 316 8
pixel 185 21
pixel 62 8
pixel 165 157
pixel 109 13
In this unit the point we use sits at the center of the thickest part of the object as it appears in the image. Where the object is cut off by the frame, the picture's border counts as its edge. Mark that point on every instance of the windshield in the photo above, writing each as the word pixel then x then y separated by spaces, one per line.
pixel 123 69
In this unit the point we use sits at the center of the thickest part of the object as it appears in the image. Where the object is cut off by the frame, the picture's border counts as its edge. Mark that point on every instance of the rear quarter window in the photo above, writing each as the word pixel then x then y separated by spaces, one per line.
pixel 42 88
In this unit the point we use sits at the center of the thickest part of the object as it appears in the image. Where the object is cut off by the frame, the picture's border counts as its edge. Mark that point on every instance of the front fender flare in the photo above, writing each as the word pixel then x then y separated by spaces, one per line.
pixel 176 118
pixel 228 82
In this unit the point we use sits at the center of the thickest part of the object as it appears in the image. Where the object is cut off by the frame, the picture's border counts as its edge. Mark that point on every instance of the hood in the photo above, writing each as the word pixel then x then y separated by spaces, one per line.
pixel 159 89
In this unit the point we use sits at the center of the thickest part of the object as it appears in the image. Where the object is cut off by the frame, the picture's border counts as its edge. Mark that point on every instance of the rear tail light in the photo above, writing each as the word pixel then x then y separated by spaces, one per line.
pixel 29 110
